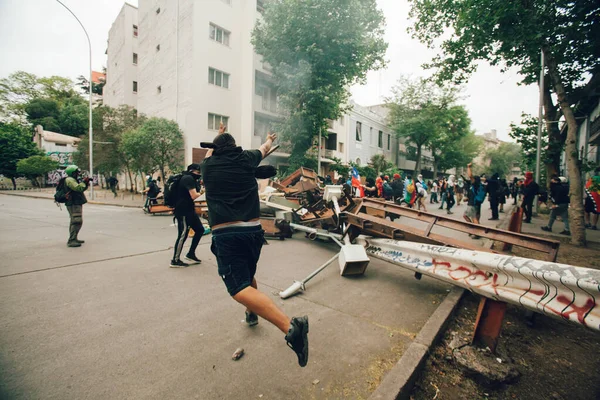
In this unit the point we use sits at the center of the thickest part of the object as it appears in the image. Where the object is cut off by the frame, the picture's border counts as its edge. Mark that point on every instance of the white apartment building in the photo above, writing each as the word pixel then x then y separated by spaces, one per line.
pixel 196 66
pixel 122 52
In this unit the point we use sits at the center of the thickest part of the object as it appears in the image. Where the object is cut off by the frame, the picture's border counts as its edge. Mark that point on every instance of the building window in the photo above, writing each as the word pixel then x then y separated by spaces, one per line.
pixel 341 147
pixel 218 78
pixel 214 120
pixel 380 139
pixel 158 10
pixel 389 140
pixel 135 58
pixel 134 87
pixel 61 144
pixel 159 89
pixel 218 34
pixel 358 132
pixel 358 162
pixel 135 31
pixel 342 121
pixel 158 47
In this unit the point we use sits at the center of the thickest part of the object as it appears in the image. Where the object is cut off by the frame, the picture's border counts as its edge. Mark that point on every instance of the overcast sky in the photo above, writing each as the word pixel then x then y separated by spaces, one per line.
pixel 41 37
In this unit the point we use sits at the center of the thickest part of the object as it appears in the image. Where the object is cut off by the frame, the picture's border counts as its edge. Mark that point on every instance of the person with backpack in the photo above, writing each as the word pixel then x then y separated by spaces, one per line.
pixel 559 195
pixel 73 188
pixel 229 173
pixel 152 191
pixel 183 190
pixel 397 188
pixel 388 191
pixel 475 199
pixel 530 190
pixel 504 194
pixel 112 184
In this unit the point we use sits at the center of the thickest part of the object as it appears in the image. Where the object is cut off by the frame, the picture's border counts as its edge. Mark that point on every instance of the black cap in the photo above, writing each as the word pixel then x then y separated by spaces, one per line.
pixel 221 140
pixel 193 167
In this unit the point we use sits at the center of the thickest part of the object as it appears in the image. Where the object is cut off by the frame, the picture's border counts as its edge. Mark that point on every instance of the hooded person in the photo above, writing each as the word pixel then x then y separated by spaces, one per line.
pixel 398 188
pixel 228 172
pixel 530 190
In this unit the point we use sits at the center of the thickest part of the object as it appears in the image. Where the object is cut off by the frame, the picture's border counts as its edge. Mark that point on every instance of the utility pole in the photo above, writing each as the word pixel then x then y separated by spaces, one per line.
pixel 91 132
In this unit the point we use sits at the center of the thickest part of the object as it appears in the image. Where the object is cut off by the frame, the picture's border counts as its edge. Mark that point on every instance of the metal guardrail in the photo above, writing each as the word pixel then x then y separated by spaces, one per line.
pixel 558 290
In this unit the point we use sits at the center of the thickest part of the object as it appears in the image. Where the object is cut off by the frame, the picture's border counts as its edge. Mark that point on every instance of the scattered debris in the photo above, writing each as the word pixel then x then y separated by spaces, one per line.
pixel 237 354
pixel 483 368
pixel 316 381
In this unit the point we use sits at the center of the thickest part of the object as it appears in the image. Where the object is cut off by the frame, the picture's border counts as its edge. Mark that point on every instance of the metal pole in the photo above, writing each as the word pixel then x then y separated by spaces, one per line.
pixel 540 118
pixel 91 131
pixel 319 154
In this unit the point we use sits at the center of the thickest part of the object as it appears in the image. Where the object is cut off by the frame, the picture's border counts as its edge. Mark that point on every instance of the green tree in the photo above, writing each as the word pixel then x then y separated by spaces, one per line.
pixel 73 118
pixel 136 150
pixel 457 154
pixel 165 144
pixel 512 34
pixel 35 167
pixel 503 158
pixel 45 112
pixel 380 164
pixel 84 84
pixel 317 49
pixel 15 144
pixel 454 145
pixel 337 166
pixel 109 126
pixel 419 113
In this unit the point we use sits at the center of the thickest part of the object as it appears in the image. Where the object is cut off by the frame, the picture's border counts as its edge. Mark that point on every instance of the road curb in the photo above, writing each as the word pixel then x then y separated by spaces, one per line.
pixel 399 382
pixel 89 202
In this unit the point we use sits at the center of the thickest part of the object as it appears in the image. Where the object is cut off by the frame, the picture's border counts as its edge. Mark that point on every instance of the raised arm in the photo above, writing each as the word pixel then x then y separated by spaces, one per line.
pixel 266 146
pixel 222 129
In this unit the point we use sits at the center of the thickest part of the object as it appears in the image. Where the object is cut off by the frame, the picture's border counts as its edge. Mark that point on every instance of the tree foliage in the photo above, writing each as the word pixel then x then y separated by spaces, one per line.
pixel 15 145
pixel 165 144
pixel 35 167
pixel 503 158
pixel 20 88
pixel 425 115
pixel 317 49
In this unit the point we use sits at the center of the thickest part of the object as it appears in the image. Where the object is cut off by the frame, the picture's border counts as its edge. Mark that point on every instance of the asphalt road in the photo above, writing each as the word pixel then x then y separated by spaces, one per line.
pixel 111 320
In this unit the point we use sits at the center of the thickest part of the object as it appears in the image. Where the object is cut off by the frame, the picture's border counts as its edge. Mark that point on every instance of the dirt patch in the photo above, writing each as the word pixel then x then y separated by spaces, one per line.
pixel 556 359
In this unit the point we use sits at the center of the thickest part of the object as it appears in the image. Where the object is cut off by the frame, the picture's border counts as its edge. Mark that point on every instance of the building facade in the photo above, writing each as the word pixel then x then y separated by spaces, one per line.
pixel 123 57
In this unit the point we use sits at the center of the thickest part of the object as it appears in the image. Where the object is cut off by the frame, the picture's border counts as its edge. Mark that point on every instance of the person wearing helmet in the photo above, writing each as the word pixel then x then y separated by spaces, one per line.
pixel 75 201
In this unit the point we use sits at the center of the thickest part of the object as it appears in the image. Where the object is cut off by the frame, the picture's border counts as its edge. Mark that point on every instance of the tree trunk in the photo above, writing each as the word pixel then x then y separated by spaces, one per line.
pixel 556 141
pixel 14 182
pixel 417 170
pixel 572 154
pixel 162 172
pixel 130 179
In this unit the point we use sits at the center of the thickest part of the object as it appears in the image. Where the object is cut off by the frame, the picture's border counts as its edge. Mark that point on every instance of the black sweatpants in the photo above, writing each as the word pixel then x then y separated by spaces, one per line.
pixel 184 223
pixel 494 206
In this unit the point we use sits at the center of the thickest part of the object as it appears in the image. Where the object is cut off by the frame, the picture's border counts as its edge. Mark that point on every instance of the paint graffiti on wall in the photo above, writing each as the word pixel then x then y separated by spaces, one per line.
pixel 558 290
pixel 63 158
pixel 54 176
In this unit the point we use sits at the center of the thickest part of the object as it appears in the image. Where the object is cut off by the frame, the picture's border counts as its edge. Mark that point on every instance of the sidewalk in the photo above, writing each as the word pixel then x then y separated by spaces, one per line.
pixel 101 196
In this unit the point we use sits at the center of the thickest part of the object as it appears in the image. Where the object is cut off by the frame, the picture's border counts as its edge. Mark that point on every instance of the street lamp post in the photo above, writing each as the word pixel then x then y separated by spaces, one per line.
pixel 90 101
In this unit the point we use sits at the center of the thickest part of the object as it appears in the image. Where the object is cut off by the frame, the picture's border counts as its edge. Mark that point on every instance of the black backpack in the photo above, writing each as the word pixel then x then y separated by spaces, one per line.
pixel 171 193
pixel 62 191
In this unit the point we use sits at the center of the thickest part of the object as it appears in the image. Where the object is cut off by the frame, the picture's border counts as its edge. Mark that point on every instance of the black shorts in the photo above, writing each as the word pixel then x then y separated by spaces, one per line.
pixel 237 250
pixel 590 206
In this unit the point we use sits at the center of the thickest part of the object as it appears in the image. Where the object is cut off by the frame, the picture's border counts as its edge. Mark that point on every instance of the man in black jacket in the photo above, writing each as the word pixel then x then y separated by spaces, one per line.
pixel 492 189
pixel 229 173
pixel 188 190
pixel 559 195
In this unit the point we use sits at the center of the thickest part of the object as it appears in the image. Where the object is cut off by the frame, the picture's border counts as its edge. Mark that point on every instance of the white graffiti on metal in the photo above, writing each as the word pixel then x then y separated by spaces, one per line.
pixel 558 290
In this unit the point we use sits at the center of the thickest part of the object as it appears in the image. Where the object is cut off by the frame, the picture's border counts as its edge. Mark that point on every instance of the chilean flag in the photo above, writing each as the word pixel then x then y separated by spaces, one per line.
pixel 356 182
